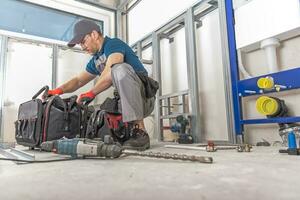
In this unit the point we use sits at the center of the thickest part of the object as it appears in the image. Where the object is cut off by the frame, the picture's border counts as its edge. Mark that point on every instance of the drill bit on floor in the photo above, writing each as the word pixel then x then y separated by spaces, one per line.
pixel 194 158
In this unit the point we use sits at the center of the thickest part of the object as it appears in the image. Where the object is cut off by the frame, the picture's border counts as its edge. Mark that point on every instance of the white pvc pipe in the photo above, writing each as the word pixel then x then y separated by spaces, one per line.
pixel 241 65
pixel 270 45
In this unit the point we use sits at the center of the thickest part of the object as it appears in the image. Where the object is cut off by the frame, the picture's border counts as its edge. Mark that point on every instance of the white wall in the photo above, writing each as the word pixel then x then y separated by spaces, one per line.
pixel 173 64
pixel 148 15
pixel 210 79
pixel 261 19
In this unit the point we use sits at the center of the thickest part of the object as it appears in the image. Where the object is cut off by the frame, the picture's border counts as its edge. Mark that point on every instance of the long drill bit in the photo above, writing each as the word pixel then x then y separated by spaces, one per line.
pixel 194 158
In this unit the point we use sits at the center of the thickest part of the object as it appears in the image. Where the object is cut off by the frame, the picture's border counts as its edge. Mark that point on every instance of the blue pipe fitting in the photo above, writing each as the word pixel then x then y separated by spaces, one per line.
pixel 292 140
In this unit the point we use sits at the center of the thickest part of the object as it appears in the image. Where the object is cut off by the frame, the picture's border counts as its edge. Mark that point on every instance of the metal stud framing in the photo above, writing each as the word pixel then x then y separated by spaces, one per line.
pixel 3 54
pixel 54 65
pixel 192 75
pixel 157 76
pixel 226 71
pixel 187 20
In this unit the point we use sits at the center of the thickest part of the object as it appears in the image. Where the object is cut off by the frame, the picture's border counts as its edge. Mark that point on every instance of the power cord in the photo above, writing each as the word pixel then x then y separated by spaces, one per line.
pixel 37 161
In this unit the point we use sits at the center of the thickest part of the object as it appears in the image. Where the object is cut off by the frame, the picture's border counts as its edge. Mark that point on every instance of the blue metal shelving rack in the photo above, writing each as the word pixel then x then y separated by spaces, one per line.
pixel 288 78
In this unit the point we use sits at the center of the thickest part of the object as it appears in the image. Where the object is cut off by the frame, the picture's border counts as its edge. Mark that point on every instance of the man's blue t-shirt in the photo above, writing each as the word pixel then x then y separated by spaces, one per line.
pixel 114 45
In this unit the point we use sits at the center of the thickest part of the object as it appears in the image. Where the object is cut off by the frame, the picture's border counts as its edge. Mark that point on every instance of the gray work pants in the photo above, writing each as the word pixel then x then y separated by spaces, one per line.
pixel 133 104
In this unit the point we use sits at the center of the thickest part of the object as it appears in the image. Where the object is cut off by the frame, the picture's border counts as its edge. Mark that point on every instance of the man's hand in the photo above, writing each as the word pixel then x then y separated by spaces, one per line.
pixel 86 97
pixel 53 92
pixel 56 91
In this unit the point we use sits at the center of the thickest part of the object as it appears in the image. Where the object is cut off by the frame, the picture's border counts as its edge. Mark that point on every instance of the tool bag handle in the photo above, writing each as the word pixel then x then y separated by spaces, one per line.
pixel 45 88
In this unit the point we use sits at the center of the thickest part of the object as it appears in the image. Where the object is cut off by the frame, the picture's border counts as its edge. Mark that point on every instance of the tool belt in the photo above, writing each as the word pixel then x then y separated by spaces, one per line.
pixel 151 86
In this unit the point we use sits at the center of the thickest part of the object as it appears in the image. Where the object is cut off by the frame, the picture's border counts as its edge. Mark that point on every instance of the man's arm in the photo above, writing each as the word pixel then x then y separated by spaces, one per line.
pixel 105 79
pixel 77 82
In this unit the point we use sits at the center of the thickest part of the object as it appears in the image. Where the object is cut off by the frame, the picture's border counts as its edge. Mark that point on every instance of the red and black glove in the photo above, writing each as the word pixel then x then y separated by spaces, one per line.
pixel 86 97
pixel 56 91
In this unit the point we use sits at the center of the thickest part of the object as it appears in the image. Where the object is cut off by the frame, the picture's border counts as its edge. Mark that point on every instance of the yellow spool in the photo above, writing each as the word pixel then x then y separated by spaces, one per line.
pixel 265 83
pixel 266 105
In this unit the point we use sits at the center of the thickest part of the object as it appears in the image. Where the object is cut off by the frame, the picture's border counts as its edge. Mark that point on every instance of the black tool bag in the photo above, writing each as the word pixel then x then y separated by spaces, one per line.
pixel 50 119
pixel 106 120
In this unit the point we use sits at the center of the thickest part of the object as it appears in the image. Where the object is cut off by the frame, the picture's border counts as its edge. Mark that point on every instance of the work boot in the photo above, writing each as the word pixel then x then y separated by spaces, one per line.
pixel 139 140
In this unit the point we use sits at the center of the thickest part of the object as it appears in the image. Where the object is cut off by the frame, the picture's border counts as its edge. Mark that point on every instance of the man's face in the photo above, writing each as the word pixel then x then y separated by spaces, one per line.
pixel 90 43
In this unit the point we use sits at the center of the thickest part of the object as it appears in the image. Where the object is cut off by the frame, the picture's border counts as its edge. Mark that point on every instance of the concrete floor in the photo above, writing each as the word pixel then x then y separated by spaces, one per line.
pixel 261 174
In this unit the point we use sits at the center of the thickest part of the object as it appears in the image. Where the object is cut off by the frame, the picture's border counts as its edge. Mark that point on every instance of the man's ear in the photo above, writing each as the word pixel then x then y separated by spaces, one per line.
pixel 94 34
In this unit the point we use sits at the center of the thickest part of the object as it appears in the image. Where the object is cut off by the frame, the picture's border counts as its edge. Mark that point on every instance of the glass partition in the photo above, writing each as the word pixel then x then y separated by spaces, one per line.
pixel 28 69
pixel 1 84
pixel 69 64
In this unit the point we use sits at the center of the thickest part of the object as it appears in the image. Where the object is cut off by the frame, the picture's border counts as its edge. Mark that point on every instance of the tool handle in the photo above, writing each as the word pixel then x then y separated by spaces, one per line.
pixel 45 88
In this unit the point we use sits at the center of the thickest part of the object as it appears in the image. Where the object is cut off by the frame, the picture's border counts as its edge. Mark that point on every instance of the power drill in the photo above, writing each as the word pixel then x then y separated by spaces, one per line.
pixel 180 127
pixel 77 147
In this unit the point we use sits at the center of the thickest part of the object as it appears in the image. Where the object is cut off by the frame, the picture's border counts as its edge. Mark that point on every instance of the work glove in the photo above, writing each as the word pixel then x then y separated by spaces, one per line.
pixel 86 97
pixel 56 91
pixel 53 92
